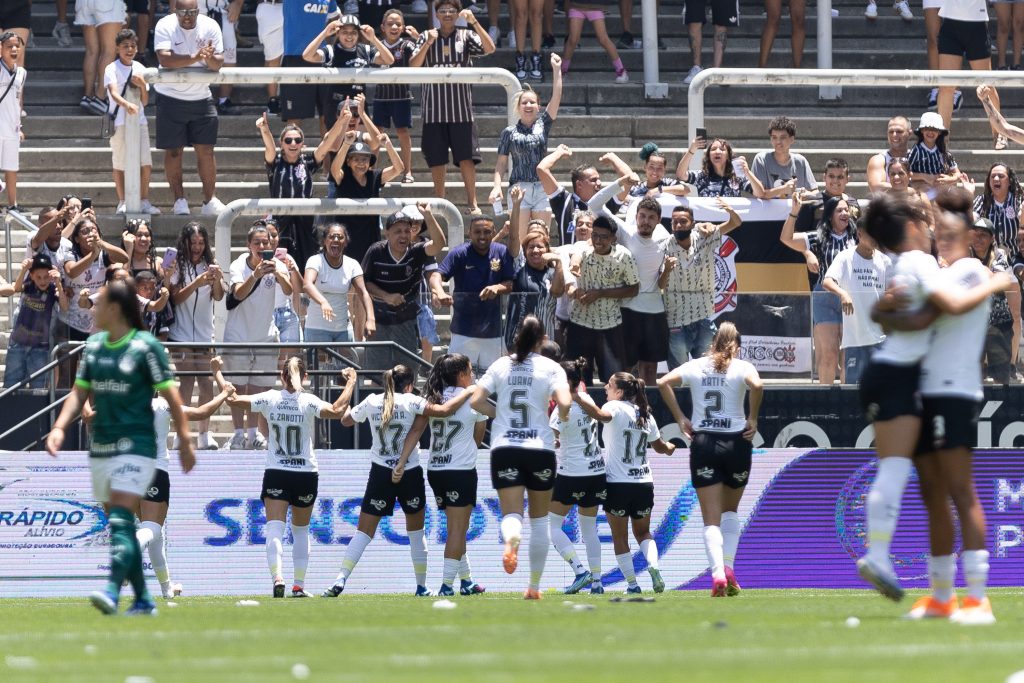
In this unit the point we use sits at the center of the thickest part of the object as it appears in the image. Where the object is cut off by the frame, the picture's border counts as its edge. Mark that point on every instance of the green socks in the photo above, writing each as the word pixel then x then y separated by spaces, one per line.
pixel 125 554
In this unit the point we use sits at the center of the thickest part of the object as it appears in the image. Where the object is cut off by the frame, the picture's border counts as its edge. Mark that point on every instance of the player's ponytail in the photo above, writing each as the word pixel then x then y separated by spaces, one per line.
pixel 575 371
pixel 401 377
pixel 724 347
pixel 531 333
pixel 292 372
pixel 444 374
pixel 635 391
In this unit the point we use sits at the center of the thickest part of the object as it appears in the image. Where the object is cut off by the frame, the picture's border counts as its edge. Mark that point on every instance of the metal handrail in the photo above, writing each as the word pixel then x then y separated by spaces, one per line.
pixel 23 221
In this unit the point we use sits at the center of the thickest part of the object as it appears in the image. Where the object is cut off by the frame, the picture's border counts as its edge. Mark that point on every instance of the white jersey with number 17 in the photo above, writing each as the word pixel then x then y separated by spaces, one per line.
pixel 389 438
pixel 625 444
pixel 291 418
pixel 523 390
pixel 717 397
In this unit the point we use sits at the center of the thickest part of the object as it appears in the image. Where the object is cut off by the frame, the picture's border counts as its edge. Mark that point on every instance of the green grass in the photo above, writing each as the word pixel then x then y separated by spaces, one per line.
pixel 789 636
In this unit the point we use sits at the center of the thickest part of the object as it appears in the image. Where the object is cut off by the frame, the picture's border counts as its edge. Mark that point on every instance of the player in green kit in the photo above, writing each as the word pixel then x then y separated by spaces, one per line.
pixel 121 368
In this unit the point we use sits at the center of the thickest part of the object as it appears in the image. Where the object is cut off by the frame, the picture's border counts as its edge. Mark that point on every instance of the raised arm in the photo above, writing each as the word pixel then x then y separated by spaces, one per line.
pixel 436 241
pixel 957 303
pixel 448 408
pixel 1000 124
pixel 269 148
pixel 683 167
pixel 797 241
pixel 396 168
pixel 544 174
pixel 556 86
pixel 340 407
pixel 312 52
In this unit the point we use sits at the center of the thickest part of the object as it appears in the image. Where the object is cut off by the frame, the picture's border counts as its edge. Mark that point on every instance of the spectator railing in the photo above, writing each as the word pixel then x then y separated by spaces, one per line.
pixel 653 89
pixel 831 77
pixel 13 262
pixel 311 75
pixel 318 207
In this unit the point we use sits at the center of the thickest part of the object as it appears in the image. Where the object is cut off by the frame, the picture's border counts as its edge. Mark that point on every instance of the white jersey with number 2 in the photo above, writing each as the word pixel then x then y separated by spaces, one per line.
pixel 291 418
pixel 717 396
pixel 625 444
pixel 388 439
pixel 523 391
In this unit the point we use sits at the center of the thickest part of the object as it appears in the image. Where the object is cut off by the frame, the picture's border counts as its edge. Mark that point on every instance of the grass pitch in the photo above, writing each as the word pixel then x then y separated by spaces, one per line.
pixel 790 636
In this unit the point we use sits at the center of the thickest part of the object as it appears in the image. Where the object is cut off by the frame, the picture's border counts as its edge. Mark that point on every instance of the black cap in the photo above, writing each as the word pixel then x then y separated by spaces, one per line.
pixel 984 224
pixel 41 261
pixel 396 217
pixel 361 147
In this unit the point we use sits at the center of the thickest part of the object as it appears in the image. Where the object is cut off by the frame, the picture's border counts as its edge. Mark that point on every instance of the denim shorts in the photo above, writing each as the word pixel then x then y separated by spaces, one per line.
pixel 427 325
pixel 826 308
pixel 287 324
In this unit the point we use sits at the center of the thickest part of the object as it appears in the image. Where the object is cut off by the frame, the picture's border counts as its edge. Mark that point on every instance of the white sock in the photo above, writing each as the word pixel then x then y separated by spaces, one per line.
pixel 250 433
pixel 450 571
pixel 713 547
pixel 465 571
pixel 145 534
pixel 588 530
pixel 730 537
pixel 275 535
pixel 239 432
pixel 941 575
pixel 883 506
pixel 625 561
pixel 155 546
pixel 650 551
pixel 562 543
pixel 204 439
pixel 540 539
pixel 300 553
pixel 418 551
pixel 975 572
pixel 512 526
pixel 352 554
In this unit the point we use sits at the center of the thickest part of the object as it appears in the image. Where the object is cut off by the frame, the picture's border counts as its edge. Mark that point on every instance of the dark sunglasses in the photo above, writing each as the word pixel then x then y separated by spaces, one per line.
pixel 292 141
pixel 187 12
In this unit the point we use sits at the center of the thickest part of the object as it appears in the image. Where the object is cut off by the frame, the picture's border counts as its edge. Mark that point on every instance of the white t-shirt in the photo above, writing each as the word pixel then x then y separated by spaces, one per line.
pixel 291 419
pixel 92 278
pixel 864 280
pixel 162 427
pixel 523 390
pixel 964 10
pixel 334 284
pixel 625 444
pixel 452 446
pixel 252 320
pixel 193 317
pixel 168 35
pixel 389 439
pixel 952 366
pixel 717 397
pixel 10 107
pixel 579 453
pixel 649 254
pixel 567 251
pixel 116 74
pixel 917 272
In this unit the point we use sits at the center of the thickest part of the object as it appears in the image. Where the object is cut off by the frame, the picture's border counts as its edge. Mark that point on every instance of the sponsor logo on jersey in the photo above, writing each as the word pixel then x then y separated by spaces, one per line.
pixel 453 496
pixel 307 498
pixel 510 473
pixel 543 475
pixel 705 473
pixel 124 444
pixel 379 504
pixel 111 386
pixel 125 468
pixel 275 492
pixel 314 8
pixel 741 476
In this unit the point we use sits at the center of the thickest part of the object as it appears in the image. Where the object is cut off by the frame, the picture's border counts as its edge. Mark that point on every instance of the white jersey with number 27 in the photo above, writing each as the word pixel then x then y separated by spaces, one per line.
pixel 388 439
pixel 717 396
pixel 523 391
pixel 291 418
pixel 452 440
pixel 625 444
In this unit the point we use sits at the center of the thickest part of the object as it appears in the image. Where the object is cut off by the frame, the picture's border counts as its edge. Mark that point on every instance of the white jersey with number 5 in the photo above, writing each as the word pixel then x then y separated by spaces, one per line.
pixel 162 427
pixel 717 396
pixel 523 391
pixel 625 444
pixel 291 418
pixel 579 453
pixel 388 439
pixel 452 444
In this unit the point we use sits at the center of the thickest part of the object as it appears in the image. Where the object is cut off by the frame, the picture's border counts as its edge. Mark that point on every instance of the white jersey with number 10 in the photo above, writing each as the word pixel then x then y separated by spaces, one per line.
pixel 625 444
pixel 388 439
pixel 291 418
pixel 717 396
pixel 523 391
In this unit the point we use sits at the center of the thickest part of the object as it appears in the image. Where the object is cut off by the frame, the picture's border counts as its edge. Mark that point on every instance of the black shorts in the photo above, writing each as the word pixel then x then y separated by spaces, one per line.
pixel 392 113
pixel 15 14
pixel 586 492
pixel 529 467
pixel 460 138
pixel 298 100
pixel 965 39
pixel 890 391
pixel 184 123
pixel 720 459
pixel 159 490
pixel 648 336
pixel 453 488
pixel 381 493
pixel 723 12
pixel 633 499
pixel 137 6
pixel 298 488
pixel 948 423
pixel 604 348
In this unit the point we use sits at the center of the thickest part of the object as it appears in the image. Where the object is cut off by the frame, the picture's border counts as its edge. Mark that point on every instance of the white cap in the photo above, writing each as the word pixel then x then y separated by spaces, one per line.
pixel 412 213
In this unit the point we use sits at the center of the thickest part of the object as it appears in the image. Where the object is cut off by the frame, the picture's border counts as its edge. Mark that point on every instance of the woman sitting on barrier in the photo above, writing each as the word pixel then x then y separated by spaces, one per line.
pixel 721 436
pixel 291 477
pixel 721 174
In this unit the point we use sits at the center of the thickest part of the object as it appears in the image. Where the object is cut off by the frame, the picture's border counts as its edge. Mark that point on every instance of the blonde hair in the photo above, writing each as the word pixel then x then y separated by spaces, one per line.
pixel 399 376
pixel 724 347
pixel 292 373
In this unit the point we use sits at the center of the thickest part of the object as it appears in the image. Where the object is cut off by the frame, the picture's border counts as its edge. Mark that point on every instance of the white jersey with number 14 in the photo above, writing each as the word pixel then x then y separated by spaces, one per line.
pixel 625 444
pixel 717 396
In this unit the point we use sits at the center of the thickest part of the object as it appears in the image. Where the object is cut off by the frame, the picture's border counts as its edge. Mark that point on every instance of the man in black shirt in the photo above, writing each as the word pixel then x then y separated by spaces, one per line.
pixel 586 181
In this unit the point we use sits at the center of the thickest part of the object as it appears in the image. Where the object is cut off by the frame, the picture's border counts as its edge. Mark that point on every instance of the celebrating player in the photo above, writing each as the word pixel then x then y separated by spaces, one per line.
pixel 451 469
pixel 291 475
pixel 391 415
pixel 580 481
pixel 629 430
pixel 720 436
pixel 121 367
pixel 889 385
pixel 522 443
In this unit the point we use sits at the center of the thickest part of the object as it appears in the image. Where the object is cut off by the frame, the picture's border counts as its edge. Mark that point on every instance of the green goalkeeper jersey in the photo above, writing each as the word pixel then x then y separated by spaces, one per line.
pixel 122 377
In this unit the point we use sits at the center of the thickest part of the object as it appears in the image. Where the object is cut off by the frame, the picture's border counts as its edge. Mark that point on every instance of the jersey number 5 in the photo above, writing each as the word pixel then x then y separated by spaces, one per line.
pixel 517 404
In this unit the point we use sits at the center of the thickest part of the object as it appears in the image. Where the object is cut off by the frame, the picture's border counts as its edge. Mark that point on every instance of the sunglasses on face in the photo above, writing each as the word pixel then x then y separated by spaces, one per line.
pixel 187 12
pixel 292 141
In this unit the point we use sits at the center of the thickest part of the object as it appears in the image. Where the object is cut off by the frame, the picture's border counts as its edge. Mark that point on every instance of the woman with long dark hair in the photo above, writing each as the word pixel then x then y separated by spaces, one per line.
pixel 721 174
pixel 721 435
pixel 522 443
pixel 137 243
pixel 86 268
pixel 121 368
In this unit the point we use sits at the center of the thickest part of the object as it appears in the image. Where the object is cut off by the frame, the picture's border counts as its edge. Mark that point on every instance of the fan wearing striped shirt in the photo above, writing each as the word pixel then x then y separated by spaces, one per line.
pixel 930 161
